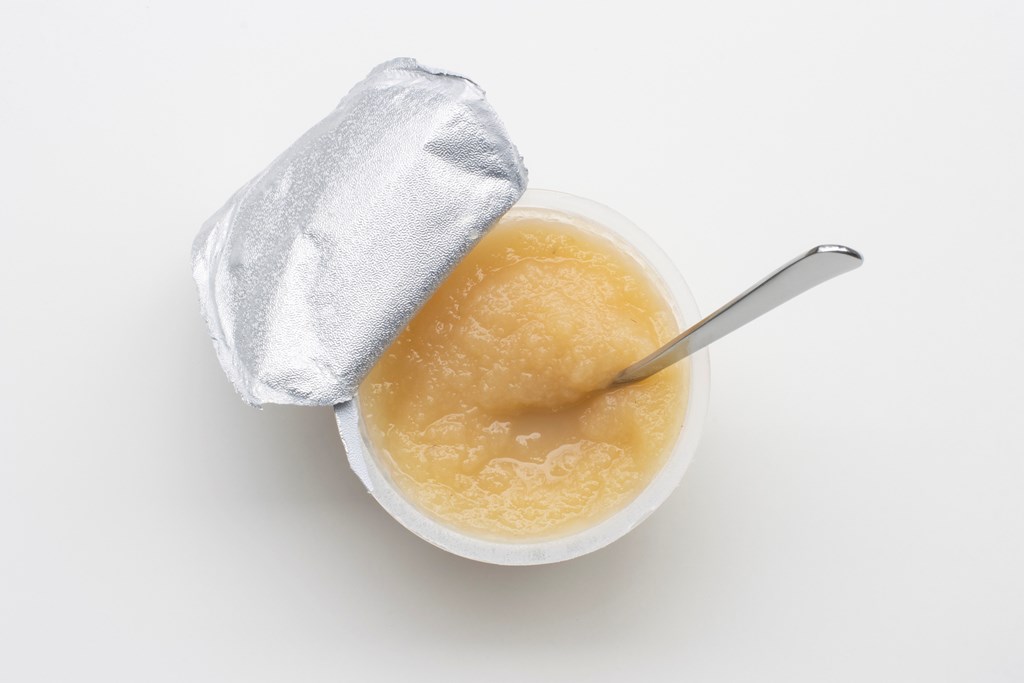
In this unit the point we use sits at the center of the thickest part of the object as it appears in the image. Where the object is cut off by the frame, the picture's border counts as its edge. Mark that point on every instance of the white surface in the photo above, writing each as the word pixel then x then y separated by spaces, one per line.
pixel 855 511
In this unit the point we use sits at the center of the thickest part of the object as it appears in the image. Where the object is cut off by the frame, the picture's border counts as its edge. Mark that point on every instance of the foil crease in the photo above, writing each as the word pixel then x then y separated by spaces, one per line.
pixel 311 269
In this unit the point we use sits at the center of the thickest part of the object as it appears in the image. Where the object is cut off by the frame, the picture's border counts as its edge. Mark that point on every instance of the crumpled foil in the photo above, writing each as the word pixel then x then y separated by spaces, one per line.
pixel 312 268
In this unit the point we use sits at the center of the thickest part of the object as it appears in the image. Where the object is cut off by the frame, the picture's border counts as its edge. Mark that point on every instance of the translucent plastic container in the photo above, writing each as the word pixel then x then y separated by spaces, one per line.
pixel 603 221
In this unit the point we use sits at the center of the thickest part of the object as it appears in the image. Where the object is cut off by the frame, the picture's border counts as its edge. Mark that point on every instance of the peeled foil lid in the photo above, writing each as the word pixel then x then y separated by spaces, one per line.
pixel 314 266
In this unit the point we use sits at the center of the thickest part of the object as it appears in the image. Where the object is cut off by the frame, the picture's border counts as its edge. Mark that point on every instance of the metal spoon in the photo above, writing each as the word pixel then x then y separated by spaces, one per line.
pixel 796 277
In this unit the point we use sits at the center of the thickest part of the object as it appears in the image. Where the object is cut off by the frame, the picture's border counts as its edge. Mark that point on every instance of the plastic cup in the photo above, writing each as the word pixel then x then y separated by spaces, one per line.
pixel 603 221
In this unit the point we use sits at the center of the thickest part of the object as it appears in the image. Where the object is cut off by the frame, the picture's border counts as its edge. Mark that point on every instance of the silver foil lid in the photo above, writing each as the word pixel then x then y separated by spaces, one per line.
pixel 313 267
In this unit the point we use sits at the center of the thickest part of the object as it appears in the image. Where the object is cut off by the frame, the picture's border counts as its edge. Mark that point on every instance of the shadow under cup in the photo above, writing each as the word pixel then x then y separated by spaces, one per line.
pixel 599 219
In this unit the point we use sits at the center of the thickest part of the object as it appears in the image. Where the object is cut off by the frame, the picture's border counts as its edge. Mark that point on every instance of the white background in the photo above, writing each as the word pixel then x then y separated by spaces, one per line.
pixel 855 511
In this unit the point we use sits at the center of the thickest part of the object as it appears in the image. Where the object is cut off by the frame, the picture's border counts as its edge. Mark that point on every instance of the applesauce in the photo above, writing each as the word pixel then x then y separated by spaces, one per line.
pixel 488 411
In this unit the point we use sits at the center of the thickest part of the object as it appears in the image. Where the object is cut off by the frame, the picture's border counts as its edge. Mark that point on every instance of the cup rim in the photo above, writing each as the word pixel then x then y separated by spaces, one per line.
pixel 359 447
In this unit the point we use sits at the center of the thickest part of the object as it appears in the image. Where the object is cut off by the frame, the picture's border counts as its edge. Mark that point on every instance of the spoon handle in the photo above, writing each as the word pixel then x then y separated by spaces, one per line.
pixel 796 277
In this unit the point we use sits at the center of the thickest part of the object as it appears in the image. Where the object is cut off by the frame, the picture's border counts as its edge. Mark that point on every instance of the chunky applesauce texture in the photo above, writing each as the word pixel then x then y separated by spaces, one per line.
pixel 488 411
